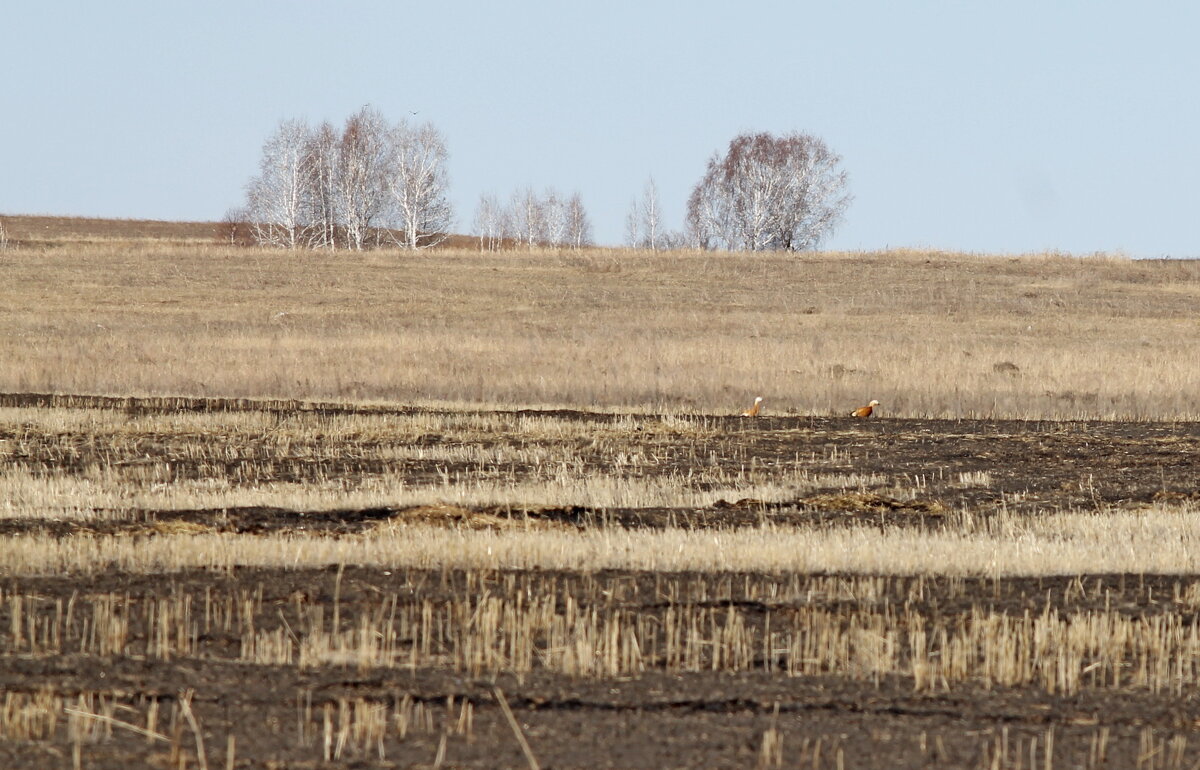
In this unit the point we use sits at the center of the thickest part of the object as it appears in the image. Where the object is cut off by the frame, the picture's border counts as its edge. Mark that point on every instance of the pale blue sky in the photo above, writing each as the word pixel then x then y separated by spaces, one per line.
pixel 988 127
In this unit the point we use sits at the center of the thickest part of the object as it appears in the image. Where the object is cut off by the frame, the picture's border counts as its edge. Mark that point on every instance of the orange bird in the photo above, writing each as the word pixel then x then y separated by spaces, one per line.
pixel 865 411
pixel 753 411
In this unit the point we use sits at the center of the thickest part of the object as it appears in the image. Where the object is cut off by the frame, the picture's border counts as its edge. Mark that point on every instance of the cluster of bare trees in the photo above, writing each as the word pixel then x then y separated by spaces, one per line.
pixel 768 193
pixel 529 219
pixel 372 183
pixel 380 183
pixel 644 225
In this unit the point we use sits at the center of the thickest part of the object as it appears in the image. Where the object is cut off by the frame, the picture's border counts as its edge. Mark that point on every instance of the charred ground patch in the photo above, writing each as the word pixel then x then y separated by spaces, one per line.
pixel 352 666
pixel 361 713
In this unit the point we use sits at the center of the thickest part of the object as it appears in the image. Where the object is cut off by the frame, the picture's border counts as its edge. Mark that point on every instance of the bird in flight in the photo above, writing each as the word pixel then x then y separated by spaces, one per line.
pixel 865 411
pixel 753 411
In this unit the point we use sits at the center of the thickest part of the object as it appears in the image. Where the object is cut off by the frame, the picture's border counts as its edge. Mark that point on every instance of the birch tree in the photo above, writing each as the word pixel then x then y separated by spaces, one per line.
pixel 633 225
pixel 322 184
pixel 651 216
pixel 417 182
pixel 704 225
pixel 768 193
pixel 316 187
pixel 364 155
pixel 579 227
pixel 275 199
pixel 643 223
pixel 554 219
pixel 489 222
pixel 526 216
pixel 530 219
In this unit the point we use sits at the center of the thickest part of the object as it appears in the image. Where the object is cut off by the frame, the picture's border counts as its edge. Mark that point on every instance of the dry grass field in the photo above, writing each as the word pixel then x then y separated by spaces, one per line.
pixel 929 335
pixel 272 510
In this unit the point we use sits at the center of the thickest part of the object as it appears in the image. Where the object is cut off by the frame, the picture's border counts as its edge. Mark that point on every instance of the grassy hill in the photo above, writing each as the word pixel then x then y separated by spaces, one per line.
pixel 25 229
pixel 929 334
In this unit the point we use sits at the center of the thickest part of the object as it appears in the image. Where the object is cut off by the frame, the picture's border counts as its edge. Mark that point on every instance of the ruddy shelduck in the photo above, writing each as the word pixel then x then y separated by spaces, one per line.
pixel 753 411
pixel 865 411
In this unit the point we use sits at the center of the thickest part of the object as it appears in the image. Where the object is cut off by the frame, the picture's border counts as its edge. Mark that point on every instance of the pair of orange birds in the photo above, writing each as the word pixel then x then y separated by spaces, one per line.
pixel 862 411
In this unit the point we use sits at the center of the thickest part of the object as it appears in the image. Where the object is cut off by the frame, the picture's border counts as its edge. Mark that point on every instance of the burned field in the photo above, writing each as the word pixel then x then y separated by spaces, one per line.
pixel 191 582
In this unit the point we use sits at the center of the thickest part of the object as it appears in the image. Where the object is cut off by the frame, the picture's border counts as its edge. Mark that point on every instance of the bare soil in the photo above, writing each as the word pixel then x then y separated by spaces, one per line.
pixel 279 716
pixel 1032 467
pixel 656 719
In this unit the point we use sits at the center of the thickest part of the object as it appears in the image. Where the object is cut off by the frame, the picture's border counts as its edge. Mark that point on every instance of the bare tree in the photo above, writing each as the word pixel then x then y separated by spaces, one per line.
pixel 651 215
pixel 235 227
pixel 579 227
pixel 768 193
pixel 318 186
pixel 554 219
pixel 704 224
pixel 275 199
pixel 633 225
pixel 672 240
pixel 489 222
pixel 530 219
pixel 526 216
pixel 417 182
pixel 3 237
pixel 643 223
pixel 321 186
pixel 364 155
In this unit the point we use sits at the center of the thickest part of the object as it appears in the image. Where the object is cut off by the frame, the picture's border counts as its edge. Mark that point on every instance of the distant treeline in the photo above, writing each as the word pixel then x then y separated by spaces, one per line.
pixel 375 183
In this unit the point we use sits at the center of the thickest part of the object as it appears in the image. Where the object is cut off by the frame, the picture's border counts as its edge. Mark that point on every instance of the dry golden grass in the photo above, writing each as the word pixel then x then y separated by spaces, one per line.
pixel 925 333
pixel 1156 540
pixel 33 231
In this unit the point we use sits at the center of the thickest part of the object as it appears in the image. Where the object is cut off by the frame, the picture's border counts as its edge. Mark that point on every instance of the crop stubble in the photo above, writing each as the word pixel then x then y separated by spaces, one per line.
pixel 296 663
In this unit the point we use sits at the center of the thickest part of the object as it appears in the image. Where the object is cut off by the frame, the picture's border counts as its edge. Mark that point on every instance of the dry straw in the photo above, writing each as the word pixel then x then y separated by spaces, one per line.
pixel 860 628
pixel 1160 540
pixel 926 333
